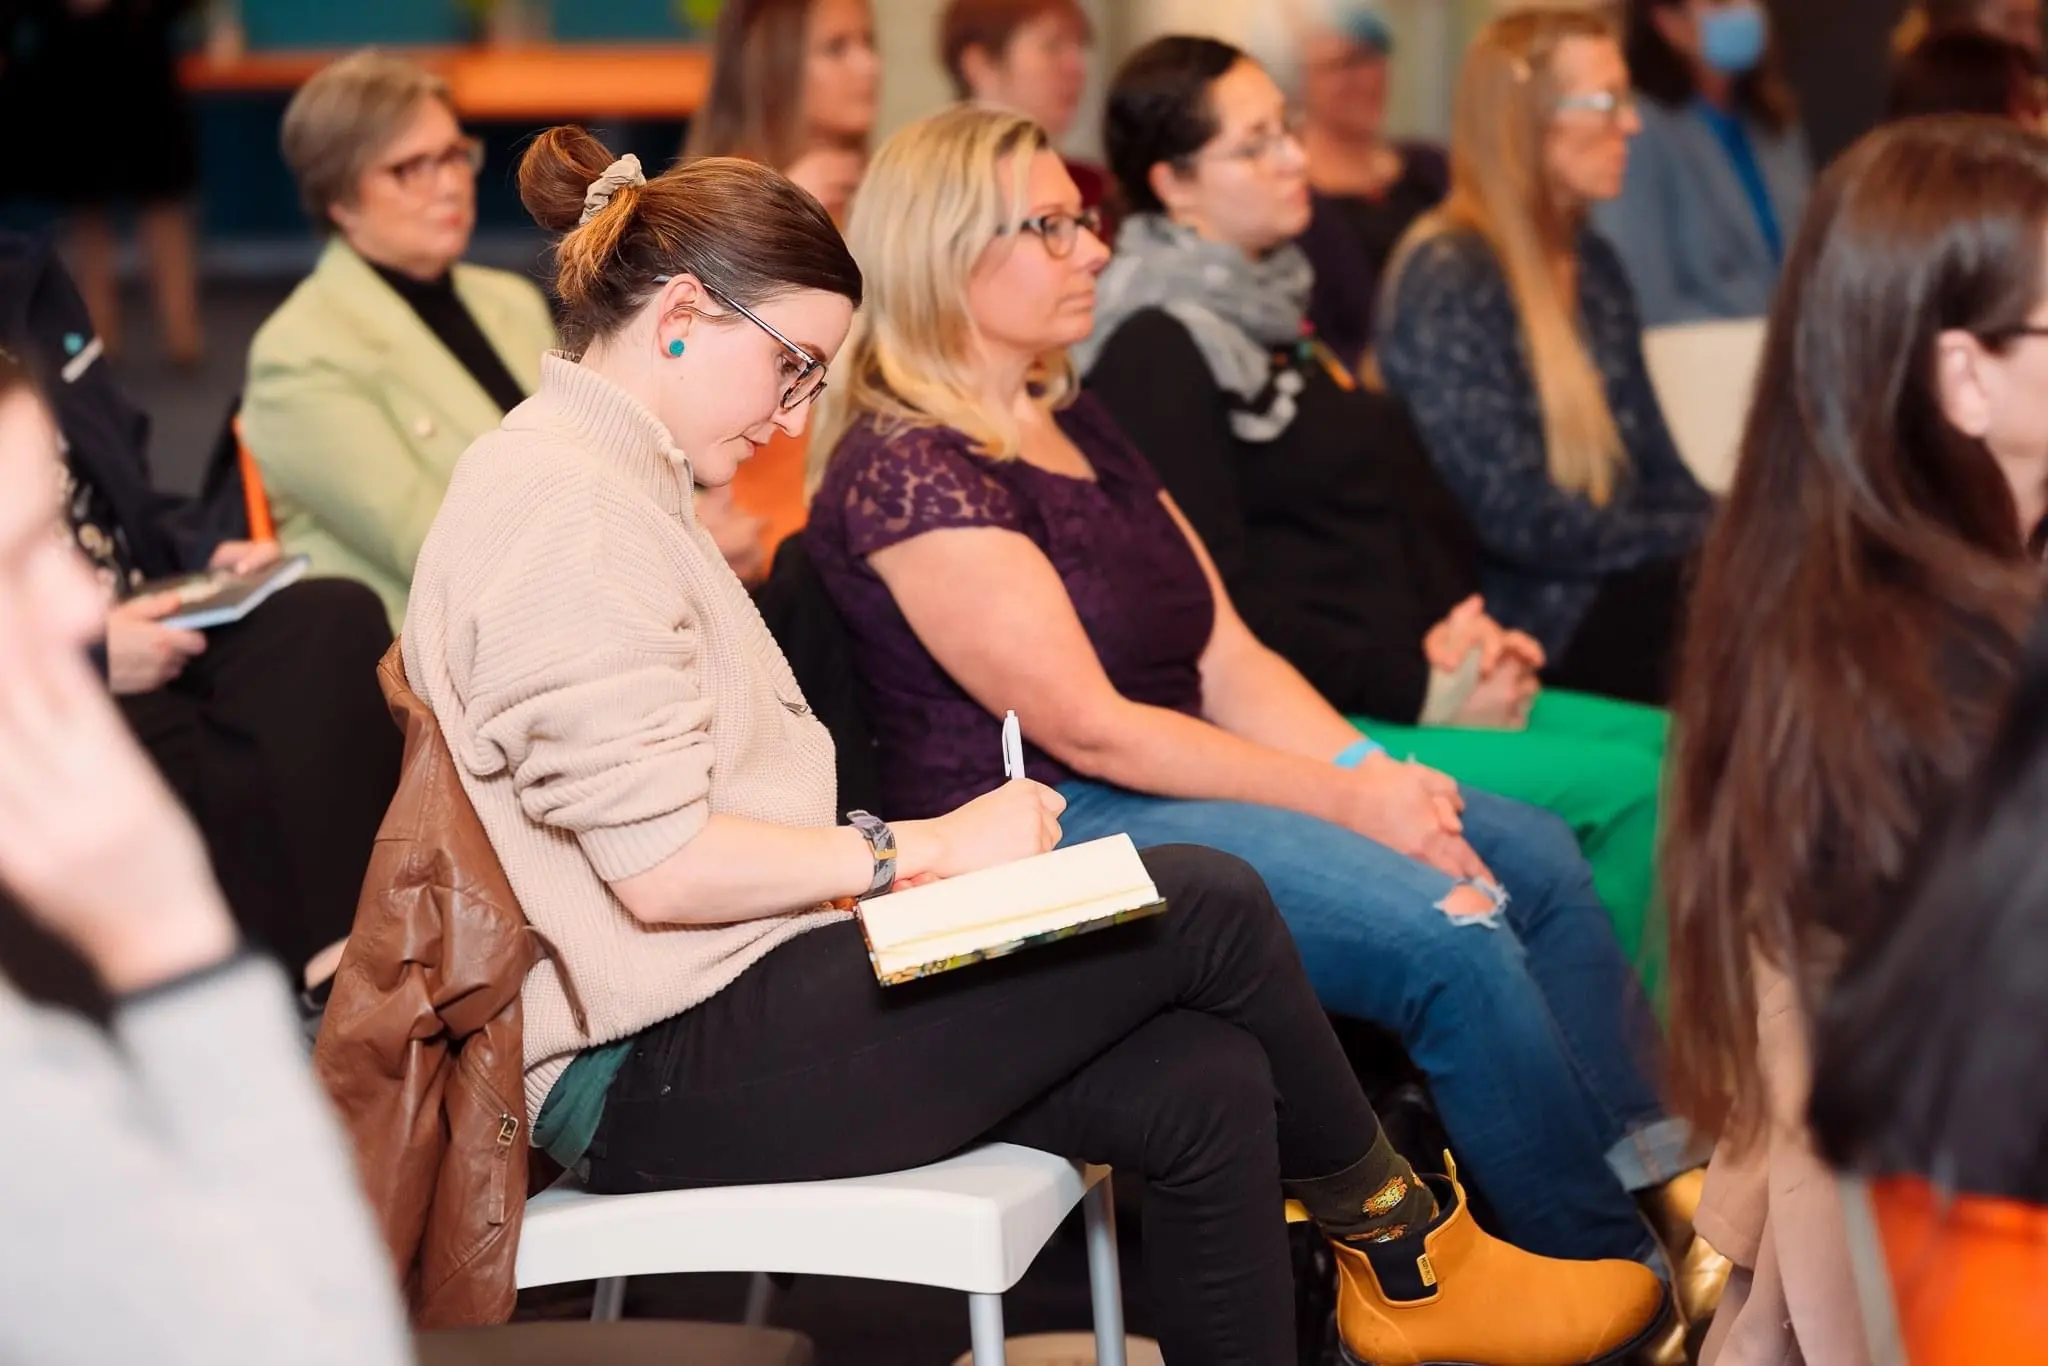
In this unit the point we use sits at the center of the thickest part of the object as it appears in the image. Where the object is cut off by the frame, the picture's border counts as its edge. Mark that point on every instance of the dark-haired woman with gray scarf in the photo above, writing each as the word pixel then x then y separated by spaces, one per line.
pixel 1338 544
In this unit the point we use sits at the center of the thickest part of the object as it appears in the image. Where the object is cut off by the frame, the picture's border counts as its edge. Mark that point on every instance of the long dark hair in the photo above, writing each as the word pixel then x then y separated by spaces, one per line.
pixel 1861 596
pixel 1930 1051
pixel 1663 73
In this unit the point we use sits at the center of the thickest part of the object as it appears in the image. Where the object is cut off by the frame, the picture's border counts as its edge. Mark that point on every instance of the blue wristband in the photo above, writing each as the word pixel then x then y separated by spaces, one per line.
pixel 1359 753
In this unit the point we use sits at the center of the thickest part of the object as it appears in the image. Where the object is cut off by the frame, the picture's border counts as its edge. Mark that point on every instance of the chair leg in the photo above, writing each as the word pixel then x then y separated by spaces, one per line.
pixel 760 1299
pixel 985 1318
pixel 1105 1283
pixel 608 1303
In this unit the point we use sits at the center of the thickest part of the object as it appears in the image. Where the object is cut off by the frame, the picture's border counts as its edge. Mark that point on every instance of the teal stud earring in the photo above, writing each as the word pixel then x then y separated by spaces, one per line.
pixel 675 348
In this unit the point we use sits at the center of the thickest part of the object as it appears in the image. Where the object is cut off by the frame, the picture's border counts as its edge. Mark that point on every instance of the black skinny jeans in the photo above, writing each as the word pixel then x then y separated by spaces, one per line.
pixel 279 744
pixel 1188 1049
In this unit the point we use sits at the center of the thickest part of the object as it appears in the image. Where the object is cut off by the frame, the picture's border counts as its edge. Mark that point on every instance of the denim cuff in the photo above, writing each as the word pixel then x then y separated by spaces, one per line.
pixel 1656 1153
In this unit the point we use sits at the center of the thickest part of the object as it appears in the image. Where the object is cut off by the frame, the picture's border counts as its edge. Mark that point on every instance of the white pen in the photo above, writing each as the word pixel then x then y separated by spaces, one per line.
pixel 1013 747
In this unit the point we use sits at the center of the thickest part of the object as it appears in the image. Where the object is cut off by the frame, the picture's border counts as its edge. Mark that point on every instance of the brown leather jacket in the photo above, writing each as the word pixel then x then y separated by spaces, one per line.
pixel 421 1047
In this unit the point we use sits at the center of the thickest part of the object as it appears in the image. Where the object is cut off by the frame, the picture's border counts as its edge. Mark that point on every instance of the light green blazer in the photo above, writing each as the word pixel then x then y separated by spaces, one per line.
pixel 356 413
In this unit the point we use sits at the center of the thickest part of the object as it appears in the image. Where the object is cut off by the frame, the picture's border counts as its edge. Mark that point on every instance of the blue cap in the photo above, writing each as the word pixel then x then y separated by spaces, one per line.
pixel 1369 27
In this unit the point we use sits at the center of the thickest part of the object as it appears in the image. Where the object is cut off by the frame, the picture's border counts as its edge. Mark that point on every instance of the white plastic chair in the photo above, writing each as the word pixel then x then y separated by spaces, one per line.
pixel 1704 374
pixel 973 1223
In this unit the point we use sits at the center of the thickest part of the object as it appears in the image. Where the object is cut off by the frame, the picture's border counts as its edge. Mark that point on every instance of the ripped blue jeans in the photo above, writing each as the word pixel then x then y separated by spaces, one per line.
pixel 1530 1025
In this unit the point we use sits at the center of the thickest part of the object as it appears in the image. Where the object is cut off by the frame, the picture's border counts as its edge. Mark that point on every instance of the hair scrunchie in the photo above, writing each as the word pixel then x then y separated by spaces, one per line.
pixel 617 176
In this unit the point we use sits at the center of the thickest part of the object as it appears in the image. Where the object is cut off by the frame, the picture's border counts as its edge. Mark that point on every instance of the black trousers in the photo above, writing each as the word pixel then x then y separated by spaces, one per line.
pixel 278 743
pixel 1627 647
pixel 1188 1049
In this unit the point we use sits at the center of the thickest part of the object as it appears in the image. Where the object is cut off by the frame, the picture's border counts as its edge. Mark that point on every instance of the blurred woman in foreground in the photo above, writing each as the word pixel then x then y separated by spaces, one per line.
pixel 1854 636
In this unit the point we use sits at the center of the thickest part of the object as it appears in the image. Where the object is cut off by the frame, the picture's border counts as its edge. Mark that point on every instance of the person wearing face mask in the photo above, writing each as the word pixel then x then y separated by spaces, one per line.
pixel 1509 331
pixel 1334 59
pixel 1719 175
pixel 794 85
pixel 992 540
pixel 1030 56
pixel 393 354
pixel 661 799
pixel 1854 637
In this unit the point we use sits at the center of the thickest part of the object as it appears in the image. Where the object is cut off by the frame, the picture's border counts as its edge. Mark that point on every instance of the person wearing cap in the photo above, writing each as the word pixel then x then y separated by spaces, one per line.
pixel 1367 190
pixel 393 355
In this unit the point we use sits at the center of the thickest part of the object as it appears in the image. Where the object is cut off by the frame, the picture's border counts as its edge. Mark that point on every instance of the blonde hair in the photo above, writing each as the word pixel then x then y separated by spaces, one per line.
pixel 932 201
pixel 344 116
pixel 1501 191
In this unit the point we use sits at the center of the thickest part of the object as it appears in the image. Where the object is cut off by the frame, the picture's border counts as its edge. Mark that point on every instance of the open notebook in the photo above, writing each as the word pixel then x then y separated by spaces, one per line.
pixel 997 911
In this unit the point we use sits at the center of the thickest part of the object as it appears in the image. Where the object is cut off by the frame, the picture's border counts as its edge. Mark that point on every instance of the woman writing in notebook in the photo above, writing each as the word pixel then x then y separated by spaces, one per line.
pixel 661 799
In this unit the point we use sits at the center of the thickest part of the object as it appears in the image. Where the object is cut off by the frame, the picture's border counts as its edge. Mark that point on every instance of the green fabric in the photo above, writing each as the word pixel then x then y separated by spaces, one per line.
pixel 1596 763
pixel 356 413
pixel 568 1117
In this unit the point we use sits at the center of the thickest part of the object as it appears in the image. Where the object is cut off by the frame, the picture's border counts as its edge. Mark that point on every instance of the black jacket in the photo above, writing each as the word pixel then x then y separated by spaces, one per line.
pixel 44 323
pixel 1337 543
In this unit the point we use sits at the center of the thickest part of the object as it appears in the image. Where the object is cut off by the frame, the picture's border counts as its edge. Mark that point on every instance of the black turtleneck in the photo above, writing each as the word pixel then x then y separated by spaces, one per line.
pixel 446 316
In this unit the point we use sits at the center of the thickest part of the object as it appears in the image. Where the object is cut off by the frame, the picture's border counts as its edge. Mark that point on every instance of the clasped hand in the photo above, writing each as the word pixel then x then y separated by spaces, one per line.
pixel 1509 662
pixel 1414 810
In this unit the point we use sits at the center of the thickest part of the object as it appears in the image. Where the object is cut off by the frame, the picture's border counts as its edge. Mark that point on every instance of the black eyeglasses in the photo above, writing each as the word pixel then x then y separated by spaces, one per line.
pixel 1060 230
pixel 2006 334
pixel 810 375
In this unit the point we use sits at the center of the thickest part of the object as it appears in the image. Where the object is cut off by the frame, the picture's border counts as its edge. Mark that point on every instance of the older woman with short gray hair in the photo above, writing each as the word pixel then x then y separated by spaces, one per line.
pixel 393 355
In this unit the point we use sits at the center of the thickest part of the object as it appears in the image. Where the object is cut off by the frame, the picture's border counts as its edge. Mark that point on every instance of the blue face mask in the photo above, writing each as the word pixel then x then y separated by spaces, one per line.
pixel 1733 38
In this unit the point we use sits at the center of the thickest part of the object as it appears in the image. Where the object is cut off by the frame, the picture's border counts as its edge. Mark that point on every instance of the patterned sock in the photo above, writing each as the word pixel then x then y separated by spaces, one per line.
pixel 1375 1200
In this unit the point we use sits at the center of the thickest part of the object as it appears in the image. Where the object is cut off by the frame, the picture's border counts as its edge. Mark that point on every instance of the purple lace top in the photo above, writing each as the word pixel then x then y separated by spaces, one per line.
pixel 1134 581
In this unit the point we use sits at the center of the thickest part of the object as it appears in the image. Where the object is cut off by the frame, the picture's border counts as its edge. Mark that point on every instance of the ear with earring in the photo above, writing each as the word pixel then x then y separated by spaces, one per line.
pixel 675 348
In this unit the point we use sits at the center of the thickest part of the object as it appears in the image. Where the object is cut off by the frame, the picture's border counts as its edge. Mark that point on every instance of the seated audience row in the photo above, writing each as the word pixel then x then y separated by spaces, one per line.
pixel 965 493
pixel 577 694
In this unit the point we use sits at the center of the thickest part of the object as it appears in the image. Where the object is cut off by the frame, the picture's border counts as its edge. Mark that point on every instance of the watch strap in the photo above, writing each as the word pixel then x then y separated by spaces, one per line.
pixel 882 844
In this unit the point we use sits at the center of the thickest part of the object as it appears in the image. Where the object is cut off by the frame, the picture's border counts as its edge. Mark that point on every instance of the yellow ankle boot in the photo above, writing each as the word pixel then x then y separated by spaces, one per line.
pixel 1447 1292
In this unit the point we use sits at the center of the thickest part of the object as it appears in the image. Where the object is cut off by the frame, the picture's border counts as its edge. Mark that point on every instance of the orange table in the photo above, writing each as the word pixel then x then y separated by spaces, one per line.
pixel 510 83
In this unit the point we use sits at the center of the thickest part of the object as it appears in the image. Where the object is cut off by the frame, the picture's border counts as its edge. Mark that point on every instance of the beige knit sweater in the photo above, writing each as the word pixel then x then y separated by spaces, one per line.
pixel 605 685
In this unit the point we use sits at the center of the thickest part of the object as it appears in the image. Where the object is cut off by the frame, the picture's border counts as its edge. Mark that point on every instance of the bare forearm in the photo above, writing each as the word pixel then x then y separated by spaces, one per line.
pixel 1170 754
pixel 1254 693
pixel 738 869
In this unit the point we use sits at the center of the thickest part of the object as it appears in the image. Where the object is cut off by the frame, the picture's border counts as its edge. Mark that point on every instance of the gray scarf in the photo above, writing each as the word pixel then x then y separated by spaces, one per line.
pixel 1239 311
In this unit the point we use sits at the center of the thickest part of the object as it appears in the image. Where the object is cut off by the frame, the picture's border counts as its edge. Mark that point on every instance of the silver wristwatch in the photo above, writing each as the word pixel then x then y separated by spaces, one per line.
pixel 882 844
